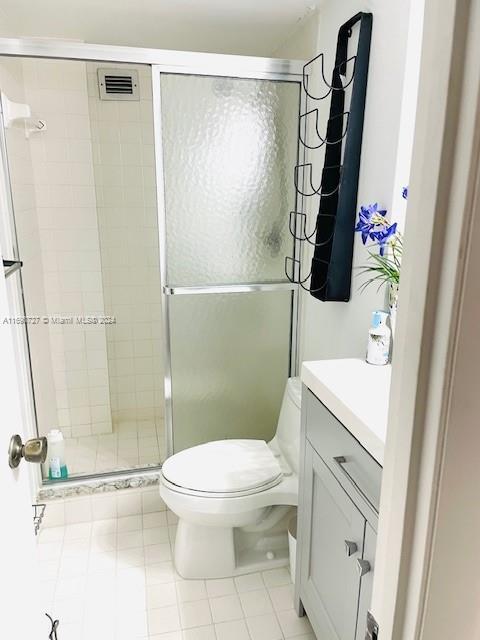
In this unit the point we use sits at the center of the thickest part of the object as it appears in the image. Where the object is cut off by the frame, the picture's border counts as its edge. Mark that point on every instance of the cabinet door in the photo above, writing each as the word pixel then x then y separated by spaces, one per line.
pixel 366 585
pixel 329 578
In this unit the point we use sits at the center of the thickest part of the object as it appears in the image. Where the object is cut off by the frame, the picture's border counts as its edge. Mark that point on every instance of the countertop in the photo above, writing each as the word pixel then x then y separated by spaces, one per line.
pixel 357 393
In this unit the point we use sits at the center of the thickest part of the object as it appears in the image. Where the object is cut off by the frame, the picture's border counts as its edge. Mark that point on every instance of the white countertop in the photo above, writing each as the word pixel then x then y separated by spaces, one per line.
pixel 357 394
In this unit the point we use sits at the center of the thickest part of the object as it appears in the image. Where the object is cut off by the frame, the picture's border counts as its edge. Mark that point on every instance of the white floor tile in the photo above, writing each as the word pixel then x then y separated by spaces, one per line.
pixel 264 628
pixel 160 573
pixel 282 597
pixel 256 603
pixel 49 551
pixel 292 625
pixel 52 534
pixel 195 614
pixel 276 577
pixel 226 608
pixel 235 630
pixel 49 569
pixel 70 587
pixel 161 595
pixel 68 610
pixel 155 535
pixel 249 582
pixel 134 577
pixel 191 590
pixel 102 562
pixel 103 543
pixel 76 547
pixel 200 633
pixel 98 627
pixel 221 587
pixel 130 558
pixel 78 530
pixel 114 579
pixel 129 523
pixel 129 539
pixel 130 600
pixel 163 620
pixel 72 631
pixel 172 635
pixel 129 504
pixel 131 624
pixel 158 553
pixel 155 519
pixel 104 527
pixel 72 567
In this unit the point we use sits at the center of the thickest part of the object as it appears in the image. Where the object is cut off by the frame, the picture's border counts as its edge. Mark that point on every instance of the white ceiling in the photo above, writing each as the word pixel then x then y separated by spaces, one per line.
pixel 256 27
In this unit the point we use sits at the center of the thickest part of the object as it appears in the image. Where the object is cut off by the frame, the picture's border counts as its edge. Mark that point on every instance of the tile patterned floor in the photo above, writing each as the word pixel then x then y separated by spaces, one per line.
pixel 114 580
pixel 134 444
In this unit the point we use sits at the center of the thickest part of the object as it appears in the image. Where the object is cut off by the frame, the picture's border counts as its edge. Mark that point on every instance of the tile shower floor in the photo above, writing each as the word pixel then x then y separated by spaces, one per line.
pixel 132 444
pixel 114 580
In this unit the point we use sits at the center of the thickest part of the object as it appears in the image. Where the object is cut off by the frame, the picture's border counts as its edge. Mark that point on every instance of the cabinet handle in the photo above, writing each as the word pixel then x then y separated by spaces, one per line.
pixel 350 548
pixel 363 567
pixel 340 461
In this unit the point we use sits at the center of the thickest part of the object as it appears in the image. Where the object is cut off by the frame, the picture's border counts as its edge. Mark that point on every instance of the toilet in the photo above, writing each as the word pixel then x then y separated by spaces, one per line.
pixel 234 499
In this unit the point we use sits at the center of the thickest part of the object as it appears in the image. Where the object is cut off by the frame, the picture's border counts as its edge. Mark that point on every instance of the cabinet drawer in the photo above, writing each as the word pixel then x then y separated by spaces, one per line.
pixel 356 470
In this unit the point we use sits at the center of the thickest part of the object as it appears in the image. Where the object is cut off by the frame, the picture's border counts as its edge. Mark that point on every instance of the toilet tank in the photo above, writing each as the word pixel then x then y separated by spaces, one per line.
pixel 287 436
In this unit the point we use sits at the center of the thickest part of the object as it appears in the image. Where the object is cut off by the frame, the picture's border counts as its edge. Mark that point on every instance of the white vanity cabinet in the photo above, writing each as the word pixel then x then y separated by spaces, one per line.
pixel 337 522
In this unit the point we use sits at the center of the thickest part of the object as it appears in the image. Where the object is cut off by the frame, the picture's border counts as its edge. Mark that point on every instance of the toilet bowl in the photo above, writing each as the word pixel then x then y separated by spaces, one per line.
pixel 234 498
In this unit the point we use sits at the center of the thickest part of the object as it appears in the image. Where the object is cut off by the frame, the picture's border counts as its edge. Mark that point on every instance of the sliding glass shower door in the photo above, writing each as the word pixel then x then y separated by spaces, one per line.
pixel 226 147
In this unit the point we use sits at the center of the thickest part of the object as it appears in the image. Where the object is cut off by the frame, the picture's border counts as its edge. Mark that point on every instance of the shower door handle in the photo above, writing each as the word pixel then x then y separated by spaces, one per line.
pixel 34 450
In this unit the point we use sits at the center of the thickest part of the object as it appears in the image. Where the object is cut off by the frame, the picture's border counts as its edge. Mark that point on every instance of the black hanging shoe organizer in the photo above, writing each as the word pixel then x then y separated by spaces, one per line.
pixel 337 184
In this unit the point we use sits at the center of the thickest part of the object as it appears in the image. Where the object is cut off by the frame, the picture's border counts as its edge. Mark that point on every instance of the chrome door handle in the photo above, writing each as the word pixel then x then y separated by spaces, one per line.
pixel 340 461
pixel 350 548
pixel 363 567
pixel 34 450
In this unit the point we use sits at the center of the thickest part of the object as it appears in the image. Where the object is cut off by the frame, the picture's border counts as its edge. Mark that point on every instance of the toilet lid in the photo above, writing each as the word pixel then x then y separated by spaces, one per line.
pixel 224 466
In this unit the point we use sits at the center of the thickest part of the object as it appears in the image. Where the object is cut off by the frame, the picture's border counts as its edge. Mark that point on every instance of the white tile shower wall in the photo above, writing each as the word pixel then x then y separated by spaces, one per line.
pixel 69 241
pixel 23 192
pixel 122 134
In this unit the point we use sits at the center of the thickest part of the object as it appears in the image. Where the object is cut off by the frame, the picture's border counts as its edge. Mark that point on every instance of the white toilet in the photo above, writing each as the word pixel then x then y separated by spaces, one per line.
pixel 234 499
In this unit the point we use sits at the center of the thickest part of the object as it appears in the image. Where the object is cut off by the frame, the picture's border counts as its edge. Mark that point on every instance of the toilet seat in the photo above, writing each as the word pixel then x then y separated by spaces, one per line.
pixel 224 468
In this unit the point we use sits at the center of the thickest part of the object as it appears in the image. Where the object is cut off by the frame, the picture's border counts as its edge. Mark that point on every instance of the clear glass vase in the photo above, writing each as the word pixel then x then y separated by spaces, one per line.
pixel 392 305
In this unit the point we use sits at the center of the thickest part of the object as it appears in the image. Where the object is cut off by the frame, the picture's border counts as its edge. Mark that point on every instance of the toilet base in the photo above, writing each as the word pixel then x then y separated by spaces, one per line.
pixel 203 552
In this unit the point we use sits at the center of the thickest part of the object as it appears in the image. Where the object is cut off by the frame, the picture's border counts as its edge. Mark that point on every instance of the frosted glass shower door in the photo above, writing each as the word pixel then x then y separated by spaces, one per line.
pixel 229 146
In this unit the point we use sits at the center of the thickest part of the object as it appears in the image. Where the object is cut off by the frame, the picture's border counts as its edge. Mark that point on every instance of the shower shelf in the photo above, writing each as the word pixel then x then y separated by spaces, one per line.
pixel 329 278
pixel 38 513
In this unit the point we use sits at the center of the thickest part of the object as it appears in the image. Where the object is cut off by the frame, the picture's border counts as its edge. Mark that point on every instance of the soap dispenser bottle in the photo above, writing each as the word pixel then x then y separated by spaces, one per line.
pixel 57 466
pixel 379 337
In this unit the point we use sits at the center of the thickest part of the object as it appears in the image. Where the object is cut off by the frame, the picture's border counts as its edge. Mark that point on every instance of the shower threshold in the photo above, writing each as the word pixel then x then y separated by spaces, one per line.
pixel 99 483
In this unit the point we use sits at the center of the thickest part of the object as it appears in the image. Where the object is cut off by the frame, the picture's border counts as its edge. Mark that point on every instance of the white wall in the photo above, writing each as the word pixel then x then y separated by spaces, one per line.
pixel 334 329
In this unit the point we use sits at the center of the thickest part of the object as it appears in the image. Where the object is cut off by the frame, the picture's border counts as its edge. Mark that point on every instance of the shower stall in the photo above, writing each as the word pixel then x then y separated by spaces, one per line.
pixel 150 212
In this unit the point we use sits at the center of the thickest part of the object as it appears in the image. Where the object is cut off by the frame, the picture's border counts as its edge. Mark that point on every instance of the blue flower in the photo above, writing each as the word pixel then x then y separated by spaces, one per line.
pixel 405 192
pixel 382 237
pixel 368 218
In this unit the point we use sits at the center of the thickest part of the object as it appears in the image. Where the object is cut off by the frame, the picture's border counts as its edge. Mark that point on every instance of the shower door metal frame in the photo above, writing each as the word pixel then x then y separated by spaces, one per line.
pixel 178 62
pixel 167 290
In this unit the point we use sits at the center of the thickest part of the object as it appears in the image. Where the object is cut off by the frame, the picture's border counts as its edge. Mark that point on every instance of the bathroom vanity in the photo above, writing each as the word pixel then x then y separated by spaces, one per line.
pixel 344 418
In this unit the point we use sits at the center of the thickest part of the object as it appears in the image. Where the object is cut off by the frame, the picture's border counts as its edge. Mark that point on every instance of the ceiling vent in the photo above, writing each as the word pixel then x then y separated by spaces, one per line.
pixel 118 84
